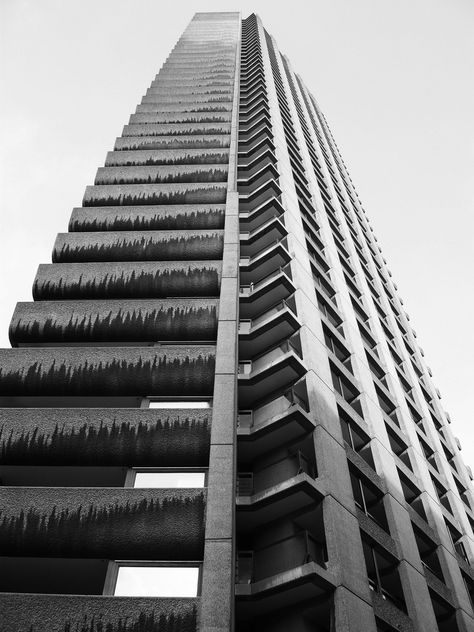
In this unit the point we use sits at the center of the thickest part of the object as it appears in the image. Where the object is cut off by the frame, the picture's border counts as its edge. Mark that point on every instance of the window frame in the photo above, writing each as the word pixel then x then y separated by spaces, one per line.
pixel 114 566
pixel 133 471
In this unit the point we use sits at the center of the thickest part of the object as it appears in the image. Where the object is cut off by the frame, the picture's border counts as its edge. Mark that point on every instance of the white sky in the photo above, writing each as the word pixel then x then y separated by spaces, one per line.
pixel 395 80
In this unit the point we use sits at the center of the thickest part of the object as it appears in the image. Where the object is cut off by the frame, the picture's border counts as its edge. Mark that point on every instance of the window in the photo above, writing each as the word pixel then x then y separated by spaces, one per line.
pixel 355 437
pixel 368 498
pixel 412 495
pixel 442 494
pixel 177 403
pixel 382 573
pixel 462 492
pixel 337 348
pixel 414 414
pixel 445 614
pixel 429 453
pixel 376 369
pixel 399 447
pixel 132 579
pixel 457 542
pixel 329 311
pixel 383 626
pixel 428 553
pixel 346 389
pixel 386 404
pixel 469 583
pixel 166 479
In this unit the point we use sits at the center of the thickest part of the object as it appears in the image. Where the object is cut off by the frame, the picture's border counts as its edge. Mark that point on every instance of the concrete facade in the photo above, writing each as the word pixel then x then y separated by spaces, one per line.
pixel 220 310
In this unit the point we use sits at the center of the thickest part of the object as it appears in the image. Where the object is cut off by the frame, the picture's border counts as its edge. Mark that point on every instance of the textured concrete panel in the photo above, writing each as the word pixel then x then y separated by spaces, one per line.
pixel 164 370
pixel 55 613
pixel 105 436
pixel 102 523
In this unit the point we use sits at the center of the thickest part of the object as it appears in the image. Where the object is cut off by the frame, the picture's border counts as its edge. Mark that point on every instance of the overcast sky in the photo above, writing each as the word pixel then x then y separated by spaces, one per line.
pixel 395 80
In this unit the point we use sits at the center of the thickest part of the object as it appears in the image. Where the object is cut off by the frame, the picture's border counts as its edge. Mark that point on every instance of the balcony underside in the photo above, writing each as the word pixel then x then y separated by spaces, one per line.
pixel 282 429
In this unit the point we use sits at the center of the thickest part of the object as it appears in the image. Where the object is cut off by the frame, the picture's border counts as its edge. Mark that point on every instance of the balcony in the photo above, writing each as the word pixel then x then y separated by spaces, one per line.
pixel 161 174
pixel 113 322
pixel 247 155
pixel 140 118
pixel 280 556
pixel 167 157
pixel 178 129
pixel 180 90
pixel 252 219
pixel 282 574
pixel 102 523
pixel 261 194
pixel 167 81
pixel 142 194
pixel 247 118
pixel 138 279
pixel 185 98
pixel 257 298
pixel 262 237
pixel 175 217
pixel 296 492
pixel 274 370
pixel 222 106
pixel 278 422
pixel 278 470
pixel 166 370
pixel 250 181
pixel 254 269
pixel 52 437
pixel 207 141
pixel 256 139
pixel 138 246
pixel 57 613
pixel 267 330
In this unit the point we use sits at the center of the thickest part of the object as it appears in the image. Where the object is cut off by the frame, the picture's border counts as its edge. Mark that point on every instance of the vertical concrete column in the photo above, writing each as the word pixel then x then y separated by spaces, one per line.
pixel 217 593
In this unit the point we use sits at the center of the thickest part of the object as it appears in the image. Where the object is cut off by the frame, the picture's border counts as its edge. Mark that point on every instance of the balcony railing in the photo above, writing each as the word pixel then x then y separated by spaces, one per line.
pixel 245 326
pixel 268 359
pixel 249 483
pixel 279 557
pixel 247 290
pixel 271 410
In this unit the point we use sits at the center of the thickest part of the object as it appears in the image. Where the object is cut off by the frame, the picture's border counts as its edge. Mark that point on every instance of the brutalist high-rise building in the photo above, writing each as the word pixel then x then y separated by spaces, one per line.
pixel 215 414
